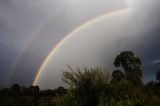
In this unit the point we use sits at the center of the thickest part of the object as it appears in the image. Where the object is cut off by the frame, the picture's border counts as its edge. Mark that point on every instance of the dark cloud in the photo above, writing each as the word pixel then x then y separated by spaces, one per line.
pixel 19 19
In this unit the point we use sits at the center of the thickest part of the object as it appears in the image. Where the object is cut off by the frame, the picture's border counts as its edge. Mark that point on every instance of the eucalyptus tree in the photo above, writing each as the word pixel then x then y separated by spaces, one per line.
pixel 131 65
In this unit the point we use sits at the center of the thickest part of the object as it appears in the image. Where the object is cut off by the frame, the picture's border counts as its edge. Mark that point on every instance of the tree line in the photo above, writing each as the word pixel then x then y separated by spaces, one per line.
pixel 92 87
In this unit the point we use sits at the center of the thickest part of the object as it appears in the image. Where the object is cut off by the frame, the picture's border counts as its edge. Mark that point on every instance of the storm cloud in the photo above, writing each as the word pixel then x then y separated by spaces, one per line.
pixel 30 29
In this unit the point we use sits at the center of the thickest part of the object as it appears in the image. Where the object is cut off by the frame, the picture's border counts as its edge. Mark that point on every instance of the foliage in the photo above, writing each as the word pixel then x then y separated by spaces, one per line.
pixel 36 96
pixel 91 87
pixel 131 65
pixel 86 85
pixel 67 99
pixel 117 75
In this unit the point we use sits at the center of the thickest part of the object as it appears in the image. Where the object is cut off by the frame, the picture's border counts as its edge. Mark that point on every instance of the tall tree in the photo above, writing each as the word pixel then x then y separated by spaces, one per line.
pixel 131 65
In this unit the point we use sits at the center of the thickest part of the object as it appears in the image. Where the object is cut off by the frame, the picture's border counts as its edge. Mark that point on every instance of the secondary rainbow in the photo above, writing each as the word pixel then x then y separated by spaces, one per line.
pixel 88 23
pixel 24 50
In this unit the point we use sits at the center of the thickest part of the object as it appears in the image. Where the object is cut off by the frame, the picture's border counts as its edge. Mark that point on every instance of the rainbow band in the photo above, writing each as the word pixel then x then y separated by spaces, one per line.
pixel 88 23
pixel 24 50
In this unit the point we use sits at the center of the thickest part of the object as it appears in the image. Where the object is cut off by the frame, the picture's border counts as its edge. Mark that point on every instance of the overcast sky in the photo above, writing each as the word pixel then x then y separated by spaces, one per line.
pixel 30 29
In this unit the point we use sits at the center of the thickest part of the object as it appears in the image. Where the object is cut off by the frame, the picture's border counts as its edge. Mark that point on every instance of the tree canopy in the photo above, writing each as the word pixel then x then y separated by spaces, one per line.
pixel 131 65
pixel 92 87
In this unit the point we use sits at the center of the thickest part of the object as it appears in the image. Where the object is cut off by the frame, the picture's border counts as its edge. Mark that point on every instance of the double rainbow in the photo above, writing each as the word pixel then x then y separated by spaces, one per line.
pixel 69 35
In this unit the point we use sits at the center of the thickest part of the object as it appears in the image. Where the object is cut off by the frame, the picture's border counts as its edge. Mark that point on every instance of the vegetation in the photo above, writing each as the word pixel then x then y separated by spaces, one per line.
pixel 92 87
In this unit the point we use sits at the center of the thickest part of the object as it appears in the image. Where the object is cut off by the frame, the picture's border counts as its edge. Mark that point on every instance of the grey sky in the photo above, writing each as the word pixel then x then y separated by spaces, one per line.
pixel 20 19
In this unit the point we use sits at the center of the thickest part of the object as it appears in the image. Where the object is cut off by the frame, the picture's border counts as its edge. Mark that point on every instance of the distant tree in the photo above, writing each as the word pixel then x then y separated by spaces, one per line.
pixel 30 91
pixel 4 92
pixel 49 93
pixel 151 87
pixel 131 65
pixel 158 76
pixel 157 88
pixel 15 89
pixel 60 91
pixel 36 96
pixel 86 85
pixel 23 90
